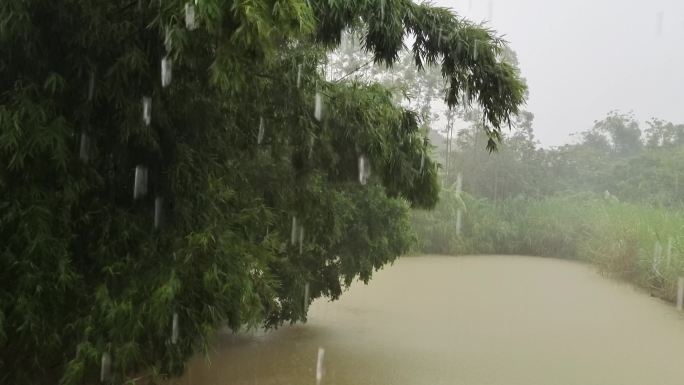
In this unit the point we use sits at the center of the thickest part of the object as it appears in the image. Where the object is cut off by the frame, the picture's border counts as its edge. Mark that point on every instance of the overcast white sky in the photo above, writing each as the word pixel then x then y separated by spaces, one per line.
pixel 584 58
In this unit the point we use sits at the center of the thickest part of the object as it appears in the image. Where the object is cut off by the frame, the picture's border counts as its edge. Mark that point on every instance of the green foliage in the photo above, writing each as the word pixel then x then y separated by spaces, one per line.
pixel 472 59
pixel 612 160
pixel 609 199
pixel 85 272
pixel 437 229
pixel 620 238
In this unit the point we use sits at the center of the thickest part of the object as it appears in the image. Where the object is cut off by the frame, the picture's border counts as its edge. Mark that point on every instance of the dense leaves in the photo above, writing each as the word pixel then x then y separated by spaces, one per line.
pixel 86 269
pixel 640 163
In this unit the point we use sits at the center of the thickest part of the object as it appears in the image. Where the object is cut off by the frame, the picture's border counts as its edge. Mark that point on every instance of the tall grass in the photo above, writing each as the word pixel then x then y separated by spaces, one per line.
pixel 620 238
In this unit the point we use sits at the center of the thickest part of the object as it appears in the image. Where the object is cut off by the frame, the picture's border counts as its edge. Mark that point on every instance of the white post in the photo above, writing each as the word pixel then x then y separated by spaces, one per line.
pixel 680 293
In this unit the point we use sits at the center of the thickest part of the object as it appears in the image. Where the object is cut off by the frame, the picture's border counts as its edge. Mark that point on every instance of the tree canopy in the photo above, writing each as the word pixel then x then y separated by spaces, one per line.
pixel 169 167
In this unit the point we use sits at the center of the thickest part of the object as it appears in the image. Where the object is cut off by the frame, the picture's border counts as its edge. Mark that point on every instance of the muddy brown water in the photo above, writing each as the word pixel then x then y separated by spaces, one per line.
pixel 497 320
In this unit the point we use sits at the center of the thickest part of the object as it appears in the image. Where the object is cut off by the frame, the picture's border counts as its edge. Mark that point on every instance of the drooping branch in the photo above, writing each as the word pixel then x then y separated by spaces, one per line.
pixel 470 55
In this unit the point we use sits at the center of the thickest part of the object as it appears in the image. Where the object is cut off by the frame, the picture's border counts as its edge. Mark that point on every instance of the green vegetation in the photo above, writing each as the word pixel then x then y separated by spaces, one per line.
pixel 613 199
pixel 245 169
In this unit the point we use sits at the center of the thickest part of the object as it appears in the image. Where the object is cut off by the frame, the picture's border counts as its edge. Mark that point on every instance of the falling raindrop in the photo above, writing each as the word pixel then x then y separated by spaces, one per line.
pixel 190 22
pixel 91 86
pixel 657 254
pixel 105 367
pixel 319 365
pixel 301 239
pixel 158 206
pixel 680 293
pixel 299 75
pixel 306 298
pixel 364 170
pixel 174 328
pixel 459 222
pixel 318 108
pixel 475 49
pixel 344 39
pixel 140 182
pixel 168 44
pixel 262 130
pixel 382 9
pixel 84 153
pixel 659 23
pixel 166 71
pixel 466 97
pixel 312 140
pixel 422 162
pixel 459 214
pixel 293 235
pixel 147 110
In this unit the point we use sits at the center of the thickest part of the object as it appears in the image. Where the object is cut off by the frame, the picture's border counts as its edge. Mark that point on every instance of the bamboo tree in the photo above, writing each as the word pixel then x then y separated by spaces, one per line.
pixel 155 153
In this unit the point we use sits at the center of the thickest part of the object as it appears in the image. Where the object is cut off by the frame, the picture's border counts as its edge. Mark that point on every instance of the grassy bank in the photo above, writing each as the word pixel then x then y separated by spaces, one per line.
pixel 641 244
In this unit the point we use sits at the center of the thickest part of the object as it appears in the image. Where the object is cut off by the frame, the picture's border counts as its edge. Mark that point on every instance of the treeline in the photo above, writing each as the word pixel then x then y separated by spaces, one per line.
pixel 611 198
pixel 640 164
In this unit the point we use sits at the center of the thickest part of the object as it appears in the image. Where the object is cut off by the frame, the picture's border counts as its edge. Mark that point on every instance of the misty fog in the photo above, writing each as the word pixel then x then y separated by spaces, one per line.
pixel 584 58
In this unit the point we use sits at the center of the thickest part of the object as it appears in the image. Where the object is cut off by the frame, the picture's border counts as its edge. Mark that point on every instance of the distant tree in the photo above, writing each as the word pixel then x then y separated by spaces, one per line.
pixel 622 131
pixel 664 134
pixel 597 141
pixel 518 167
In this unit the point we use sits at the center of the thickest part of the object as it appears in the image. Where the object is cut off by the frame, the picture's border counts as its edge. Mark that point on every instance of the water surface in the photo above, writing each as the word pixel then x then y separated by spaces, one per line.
pixel 466 320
